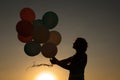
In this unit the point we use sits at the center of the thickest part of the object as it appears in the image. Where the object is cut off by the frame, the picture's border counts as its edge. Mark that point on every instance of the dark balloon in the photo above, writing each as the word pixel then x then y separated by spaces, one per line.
pixel 50 19
pixel 27 14
pixel 49 50
pixel 24 28
pixel 40 34
pixel 32 48
pixel 37 22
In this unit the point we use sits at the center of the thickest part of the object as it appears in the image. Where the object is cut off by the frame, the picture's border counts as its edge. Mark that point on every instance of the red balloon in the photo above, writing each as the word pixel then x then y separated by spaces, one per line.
pixel 24 28
pixel 27 14
pixel 24 39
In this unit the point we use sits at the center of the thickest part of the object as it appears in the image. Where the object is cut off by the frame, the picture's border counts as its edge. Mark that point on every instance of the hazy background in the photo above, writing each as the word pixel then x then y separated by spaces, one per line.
pixel 98 21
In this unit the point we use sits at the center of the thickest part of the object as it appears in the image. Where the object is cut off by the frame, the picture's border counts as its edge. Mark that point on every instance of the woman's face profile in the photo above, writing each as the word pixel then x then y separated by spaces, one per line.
pixel 75 44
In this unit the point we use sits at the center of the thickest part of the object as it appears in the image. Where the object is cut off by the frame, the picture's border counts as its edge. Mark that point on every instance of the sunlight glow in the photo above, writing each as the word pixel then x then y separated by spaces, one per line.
pixel 45 76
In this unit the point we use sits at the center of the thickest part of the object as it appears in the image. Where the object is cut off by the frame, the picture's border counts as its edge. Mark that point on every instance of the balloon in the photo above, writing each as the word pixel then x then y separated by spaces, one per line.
pixel 32 48
pixel 54 38
pixel 50 19
pixel 24 28
pixel 37 22
pixel 40 34
pixel 24 39
pixel 49 50
pixel 27 14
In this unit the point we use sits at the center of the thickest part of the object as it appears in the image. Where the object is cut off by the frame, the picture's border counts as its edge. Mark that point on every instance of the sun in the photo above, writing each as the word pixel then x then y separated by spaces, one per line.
pixel 45 76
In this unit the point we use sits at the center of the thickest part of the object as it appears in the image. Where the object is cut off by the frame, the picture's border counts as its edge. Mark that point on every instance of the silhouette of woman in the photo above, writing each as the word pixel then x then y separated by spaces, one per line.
pixel 76 63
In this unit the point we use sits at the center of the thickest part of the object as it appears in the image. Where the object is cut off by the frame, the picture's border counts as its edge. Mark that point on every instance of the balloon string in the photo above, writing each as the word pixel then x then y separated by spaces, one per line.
pixel 38 65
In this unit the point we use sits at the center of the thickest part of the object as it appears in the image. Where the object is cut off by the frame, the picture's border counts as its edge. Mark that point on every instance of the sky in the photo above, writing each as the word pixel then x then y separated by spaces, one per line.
pixel 98 21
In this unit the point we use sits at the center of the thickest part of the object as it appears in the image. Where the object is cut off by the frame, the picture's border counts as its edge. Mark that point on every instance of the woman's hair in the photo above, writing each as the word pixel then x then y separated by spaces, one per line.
pixel 81 44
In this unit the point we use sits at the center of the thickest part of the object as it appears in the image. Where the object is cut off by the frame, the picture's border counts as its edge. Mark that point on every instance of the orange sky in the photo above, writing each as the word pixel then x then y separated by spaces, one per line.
pixel 97 21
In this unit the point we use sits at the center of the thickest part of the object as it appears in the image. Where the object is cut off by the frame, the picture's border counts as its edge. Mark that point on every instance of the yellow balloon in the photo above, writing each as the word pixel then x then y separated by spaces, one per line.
pixel 54 38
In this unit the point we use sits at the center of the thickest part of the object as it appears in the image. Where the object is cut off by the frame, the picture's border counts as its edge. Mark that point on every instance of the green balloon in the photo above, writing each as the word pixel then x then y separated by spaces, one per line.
pixel 32 48
pixel 50 19
pixel 37 22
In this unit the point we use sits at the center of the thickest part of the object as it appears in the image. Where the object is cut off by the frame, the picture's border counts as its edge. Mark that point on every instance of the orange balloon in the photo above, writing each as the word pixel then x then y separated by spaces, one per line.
pixel 49 50
pixel 27 14
pixel 55 37
pixel 24 39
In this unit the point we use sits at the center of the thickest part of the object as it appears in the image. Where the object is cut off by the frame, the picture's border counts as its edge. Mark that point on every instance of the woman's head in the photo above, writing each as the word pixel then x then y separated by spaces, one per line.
pixel 80 44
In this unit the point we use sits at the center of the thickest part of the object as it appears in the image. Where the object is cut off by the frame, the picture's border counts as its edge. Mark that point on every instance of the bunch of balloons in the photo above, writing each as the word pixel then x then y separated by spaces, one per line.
pixel 37 34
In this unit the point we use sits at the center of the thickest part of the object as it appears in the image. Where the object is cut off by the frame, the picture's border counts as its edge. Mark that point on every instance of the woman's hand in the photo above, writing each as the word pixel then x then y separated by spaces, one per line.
pixel 53 60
